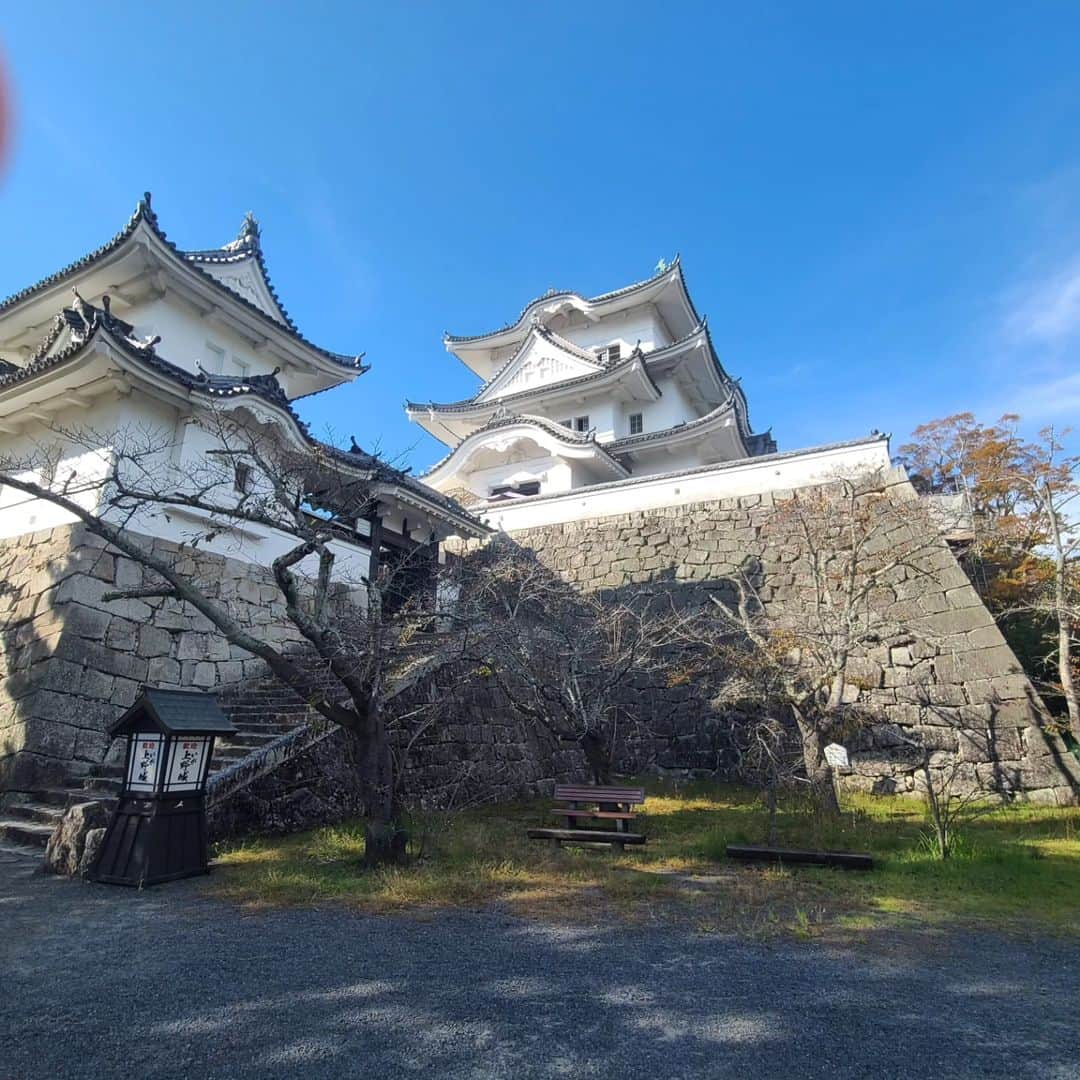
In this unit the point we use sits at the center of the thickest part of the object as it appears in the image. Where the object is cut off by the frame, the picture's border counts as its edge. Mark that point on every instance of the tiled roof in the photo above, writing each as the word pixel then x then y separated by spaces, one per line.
pixel 630 481
pixel 563 434
pixel 555 294
pixel 247 245
pixel 97 322
pixel 471 404
pixel 632 442
pixel 145 213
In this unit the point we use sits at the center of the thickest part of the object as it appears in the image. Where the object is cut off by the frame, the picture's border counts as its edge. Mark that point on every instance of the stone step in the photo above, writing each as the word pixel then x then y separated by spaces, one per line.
pixel 104 770
pixel 61 798
pixel 102 785
pixel 35 812
pixel 246 739
pixel 231 753
pixel 263 728
pixel 24 833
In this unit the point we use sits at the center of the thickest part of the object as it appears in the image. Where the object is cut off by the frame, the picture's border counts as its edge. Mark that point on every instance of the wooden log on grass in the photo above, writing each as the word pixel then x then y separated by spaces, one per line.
pixel 847 860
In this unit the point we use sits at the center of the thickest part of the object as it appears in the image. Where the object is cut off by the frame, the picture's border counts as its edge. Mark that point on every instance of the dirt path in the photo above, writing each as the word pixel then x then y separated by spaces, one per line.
pixel 108 982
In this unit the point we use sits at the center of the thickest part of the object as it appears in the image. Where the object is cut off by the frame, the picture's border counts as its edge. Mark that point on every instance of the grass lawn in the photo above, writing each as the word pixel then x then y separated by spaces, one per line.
pixel 1017 868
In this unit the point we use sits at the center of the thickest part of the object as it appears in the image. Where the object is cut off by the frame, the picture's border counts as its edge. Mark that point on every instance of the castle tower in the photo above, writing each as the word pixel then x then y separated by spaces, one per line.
pixel 584 391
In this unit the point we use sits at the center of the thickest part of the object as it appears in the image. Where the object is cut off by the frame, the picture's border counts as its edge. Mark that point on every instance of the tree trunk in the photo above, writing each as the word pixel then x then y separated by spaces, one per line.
pixel 597 756
pixel 1061 613
pixel 384 839
pixel 818 771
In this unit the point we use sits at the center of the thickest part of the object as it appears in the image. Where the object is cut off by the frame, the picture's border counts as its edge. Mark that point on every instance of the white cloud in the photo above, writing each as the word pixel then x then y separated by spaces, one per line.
pixel 1041 401
pixel 1046 312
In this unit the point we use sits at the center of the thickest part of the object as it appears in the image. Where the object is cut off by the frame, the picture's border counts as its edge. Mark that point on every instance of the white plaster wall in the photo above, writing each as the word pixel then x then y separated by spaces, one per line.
pixel 553 474
pixel 673 407
pixel 602 413
pixel 185 337
pixel 625 327
pixel 142 415
pixel 109 418
pixel 753 477
pixel 666 461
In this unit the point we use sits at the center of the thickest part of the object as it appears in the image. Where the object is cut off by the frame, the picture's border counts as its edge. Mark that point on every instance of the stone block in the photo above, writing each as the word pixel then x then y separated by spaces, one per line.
pixel 204 675
pixel 154 641
pixel 229 672
pixel 121 635
pixel 99 656
pixel 125 691
pixel 91 745
pixel 1042 772
pixel 85 621
pixel 193 646
pixel 64 852
pixel 957 622
pixel 49 737
pixel 129 574
pixel 95 684
pixel 1002 688
pixel 163 671
pixel 102 566
pixel 974 745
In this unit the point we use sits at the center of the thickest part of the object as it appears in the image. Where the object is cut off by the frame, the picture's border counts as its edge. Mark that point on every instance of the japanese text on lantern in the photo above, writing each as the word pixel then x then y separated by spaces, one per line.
pixel 185 769
pixel 145 755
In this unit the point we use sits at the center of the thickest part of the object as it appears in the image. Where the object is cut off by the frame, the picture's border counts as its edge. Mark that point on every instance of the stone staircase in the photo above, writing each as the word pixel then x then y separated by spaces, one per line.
pixel 261 710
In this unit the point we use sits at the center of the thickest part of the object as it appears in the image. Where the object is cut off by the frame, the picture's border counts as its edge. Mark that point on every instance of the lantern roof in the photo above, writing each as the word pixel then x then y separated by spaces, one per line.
pixel 175 712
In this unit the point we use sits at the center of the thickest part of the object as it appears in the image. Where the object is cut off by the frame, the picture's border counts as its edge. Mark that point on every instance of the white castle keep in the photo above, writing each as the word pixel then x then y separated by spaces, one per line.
pixel 605 405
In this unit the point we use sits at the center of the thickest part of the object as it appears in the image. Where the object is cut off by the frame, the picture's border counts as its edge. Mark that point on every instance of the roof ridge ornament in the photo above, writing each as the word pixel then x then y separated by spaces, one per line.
pixel 249 237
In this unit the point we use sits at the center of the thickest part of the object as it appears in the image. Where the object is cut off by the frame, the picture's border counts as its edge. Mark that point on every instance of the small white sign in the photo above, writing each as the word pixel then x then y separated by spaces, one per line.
pixel 145 757
pixel 837 756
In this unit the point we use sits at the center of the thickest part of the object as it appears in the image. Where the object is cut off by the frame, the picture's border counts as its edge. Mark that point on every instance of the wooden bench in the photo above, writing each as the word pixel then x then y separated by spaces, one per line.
pixel 589 804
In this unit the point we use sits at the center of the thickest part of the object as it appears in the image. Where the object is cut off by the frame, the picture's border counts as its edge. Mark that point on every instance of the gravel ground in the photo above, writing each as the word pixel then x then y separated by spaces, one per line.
pixel 107 982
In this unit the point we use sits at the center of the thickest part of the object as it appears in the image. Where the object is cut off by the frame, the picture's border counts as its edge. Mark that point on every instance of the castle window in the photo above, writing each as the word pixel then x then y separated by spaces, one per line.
pixel 215 359
pixel 242 477
pixel 609 354
pixel 515 491
pixel 581 423
pixel 637 424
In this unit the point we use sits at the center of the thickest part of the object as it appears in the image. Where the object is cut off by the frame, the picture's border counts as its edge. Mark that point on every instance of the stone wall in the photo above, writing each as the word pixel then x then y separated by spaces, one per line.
pixel 457 741
pixel 953 681
pixel 71 662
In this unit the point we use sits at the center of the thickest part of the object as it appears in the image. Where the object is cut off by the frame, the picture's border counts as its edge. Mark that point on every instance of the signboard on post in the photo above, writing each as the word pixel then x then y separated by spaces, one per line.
pixel 837 756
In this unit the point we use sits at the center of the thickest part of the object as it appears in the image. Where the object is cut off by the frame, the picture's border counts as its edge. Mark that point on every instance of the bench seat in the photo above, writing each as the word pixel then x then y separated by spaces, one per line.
pixel 587 836
pixel 620 815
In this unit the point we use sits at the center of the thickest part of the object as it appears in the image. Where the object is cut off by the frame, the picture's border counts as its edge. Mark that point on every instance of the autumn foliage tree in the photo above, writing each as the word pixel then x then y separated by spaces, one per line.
pixel 1019 496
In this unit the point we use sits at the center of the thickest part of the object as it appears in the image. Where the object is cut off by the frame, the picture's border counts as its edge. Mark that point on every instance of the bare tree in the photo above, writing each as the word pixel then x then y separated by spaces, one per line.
pixel 310 500
pixel 567 659
pixel 854 549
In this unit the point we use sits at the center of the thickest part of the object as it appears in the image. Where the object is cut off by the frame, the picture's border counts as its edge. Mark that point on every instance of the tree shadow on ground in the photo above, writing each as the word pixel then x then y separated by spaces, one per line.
pixel 162 983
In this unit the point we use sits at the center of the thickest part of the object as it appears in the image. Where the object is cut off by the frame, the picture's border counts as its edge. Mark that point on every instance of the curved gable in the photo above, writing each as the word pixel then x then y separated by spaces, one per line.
pixel 244 277
pixel 542 360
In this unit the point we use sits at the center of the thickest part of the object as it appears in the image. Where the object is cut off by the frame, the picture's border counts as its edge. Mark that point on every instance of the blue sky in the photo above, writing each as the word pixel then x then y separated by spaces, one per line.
pixel 878 206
